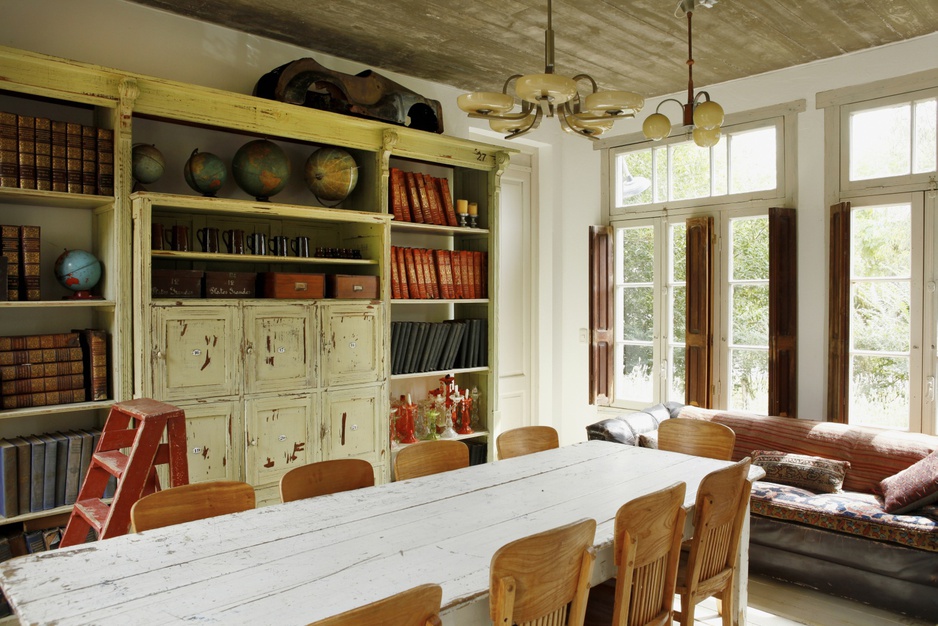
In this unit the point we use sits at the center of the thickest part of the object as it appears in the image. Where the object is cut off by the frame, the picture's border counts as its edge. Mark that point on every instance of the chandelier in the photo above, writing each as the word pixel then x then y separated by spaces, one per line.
pixel 704 116
pixel 547 95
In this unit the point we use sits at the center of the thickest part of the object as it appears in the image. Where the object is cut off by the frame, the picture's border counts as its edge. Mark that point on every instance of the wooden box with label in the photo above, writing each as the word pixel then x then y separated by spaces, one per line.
pixel 293 286
pixel 177 284
pixel 351 286
pixel 230 284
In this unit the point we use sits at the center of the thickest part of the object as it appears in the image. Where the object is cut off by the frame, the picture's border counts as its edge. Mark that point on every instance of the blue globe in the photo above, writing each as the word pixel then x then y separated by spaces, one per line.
pixel 78 271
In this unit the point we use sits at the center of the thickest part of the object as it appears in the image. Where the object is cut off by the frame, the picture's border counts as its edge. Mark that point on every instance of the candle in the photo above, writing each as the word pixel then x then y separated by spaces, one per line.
pixel 462 207
pixel 473 208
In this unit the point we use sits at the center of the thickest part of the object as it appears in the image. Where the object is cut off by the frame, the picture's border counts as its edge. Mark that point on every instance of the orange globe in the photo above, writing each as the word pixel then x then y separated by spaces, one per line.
pixel 331 174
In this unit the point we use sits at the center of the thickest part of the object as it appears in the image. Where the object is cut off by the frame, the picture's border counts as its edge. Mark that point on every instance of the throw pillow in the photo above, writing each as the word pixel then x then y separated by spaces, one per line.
pixel 649 440
pixel 799 470
pixel 913 487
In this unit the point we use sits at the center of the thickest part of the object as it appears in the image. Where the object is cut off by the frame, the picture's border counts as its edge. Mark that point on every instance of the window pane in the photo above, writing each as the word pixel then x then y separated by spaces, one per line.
pixel 638 314
pixel 880 316
pixel 678 313
pixel 676 391
pixel 925 150
pixel 637 247
pixel 661 174
pixel 881 241
pixel 752 160
pixel 750 380
pixel 879 391
pixel 880 142
pixel 750 241
pixel 633 182
pixel 750 315
pixel 690 171
pixel 678 253
pixel 720 168
pixel 636 380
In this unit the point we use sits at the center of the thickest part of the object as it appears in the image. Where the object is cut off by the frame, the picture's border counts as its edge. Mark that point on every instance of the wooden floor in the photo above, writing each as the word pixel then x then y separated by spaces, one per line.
pixel 772 603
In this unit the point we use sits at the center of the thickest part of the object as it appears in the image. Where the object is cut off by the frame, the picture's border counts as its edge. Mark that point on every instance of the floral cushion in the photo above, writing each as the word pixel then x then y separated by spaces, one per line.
pixel 800 470
pixel 911 488
pixel 848 512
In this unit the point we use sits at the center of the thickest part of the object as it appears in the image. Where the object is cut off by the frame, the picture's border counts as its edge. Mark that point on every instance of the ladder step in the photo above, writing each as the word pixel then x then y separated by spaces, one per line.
pixel 113 462
pixel 94 510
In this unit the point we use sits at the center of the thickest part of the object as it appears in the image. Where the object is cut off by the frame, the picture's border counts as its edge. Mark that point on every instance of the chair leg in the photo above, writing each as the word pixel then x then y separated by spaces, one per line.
pixel 686 616
pixel 725 605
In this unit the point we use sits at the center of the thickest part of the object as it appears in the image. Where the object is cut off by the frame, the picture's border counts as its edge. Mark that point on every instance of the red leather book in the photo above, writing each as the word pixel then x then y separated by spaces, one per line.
pixel 26 150
pixel 465 258
pixel 394 196
pixel 421 274
pixel 9 160
pixel 395 276
pixel 73 157
pixel 10 248
pixel 89 160
pixel 424 199
pixel 29 263
pixel 401 262
pixel 444 272
pixel 413 195
pixel 412 280
pixel 433 197
pixel 105 162
pixel 458 282
pixel 59 161
pixel 43 137
pixel 477 274
pixel 449 211
pixel 433 285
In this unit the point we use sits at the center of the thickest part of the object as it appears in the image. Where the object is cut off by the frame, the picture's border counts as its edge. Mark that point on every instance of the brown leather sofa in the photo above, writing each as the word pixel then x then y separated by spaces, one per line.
pixel 841 543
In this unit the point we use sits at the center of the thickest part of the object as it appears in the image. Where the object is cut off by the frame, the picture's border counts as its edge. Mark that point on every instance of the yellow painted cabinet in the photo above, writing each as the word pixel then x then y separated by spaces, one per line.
pixel 352 343
pixel 213 442
pixel 280 347
pixel 282 433
pixel 353 424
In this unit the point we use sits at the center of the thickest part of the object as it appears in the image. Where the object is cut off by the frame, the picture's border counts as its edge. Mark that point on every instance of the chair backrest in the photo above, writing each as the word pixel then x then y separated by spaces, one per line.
pixel 190 502
pixel 430 457
pixel 543 577
pixel 526 440
pixel 648 535
pixel 324 477
pixel 696 437
pixel 419 606
pixel 719 513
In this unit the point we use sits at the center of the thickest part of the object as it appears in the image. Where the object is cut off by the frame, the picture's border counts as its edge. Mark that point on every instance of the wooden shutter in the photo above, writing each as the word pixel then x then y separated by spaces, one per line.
pixel 838 367
pixel 602 315
pixel 783 312
pixel 699 326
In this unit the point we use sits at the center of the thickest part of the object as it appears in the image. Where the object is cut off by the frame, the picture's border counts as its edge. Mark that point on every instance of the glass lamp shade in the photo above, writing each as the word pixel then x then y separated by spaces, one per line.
pixel 501 125
pixel 706 137
pixel 592 128
pixel 624 102
pixel 485 102
pixel 535 87
pixel 656 126
pixel 708 115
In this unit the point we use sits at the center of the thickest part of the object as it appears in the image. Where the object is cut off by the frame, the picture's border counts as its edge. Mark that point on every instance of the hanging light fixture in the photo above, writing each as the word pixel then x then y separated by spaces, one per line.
pixel 549 94
pixel 704 116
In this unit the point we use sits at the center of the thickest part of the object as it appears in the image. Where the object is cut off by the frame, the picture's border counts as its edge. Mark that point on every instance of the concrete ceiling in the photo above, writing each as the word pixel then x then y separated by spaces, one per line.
pixel 635 45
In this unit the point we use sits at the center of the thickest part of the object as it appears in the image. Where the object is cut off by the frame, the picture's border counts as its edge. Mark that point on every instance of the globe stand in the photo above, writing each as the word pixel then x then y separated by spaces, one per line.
pixel 82 295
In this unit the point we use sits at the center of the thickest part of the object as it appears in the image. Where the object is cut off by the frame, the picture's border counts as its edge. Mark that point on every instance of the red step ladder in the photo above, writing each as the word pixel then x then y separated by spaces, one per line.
pixel 135 471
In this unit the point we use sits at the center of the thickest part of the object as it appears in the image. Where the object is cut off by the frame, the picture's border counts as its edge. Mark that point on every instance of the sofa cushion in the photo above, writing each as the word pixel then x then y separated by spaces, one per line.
pixel 911 488
pixel 800 470
pixel 649 440
pixel 849 512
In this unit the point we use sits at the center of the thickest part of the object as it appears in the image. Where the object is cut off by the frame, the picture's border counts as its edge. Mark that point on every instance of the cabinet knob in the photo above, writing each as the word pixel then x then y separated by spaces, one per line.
pixel 158 354
pixel 249 349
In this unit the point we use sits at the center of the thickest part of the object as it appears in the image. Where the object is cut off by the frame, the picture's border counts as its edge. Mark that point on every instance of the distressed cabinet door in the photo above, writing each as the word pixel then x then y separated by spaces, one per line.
pixel 280 348
pixel 196 352
pixel 282 433
pixel 352 335
pixel 214 441
pixel 355 424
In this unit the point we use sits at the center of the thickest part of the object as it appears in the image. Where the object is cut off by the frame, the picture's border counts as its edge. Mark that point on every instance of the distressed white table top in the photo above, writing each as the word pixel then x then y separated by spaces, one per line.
pixel 298 562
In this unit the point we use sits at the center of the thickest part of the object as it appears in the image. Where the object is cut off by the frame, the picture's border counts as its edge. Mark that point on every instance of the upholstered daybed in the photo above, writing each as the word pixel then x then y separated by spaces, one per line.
pixel 842 542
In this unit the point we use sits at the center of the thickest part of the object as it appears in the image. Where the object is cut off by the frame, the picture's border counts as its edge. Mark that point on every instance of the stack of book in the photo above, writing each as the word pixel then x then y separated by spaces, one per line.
pixel 428 274
pixel 478 452
pixel 438 346
pixel 50 155
pixel 421 198
pixel 62 368
pixel 20 249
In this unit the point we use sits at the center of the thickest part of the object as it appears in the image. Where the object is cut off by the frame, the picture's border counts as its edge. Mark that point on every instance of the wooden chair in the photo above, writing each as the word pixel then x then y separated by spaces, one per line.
pixel 708 567
pixel 324 477
pixel 697 437
pixel 647 549
pixel 543 579
pixel 419 606
pixel 526 440
pixel 430 457
pixel 190 502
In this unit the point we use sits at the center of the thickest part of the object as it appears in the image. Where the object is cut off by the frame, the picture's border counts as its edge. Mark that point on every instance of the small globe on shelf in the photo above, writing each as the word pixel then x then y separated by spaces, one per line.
pixel 78 271
pixel 147 163
pixel 331 174
pixel 261 168
pixel 205 173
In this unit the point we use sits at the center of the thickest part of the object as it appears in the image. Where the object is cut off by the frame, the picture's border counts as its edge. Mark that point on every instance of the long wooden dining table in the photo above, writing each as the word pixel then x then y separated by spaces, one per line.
pixel 298 562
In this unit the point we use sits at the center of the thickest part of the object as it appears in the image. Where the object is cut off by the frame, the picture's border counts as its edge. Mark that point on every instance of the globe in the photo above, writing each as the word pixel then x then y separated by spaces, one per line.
pixel 205 172
pixel 261 168
pixel 147 163
pixel 78 271
pixel 331 174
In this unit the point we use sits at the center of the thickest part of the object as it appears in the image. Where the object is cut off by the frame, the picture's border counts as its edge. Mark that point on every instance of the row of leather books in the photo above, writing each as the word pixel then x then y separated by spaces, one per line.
pixel 421 198
pixel 43 472
pixel 438 346
pixel 430 274
pixel 61 368
pixel 19 262
pixel 51 155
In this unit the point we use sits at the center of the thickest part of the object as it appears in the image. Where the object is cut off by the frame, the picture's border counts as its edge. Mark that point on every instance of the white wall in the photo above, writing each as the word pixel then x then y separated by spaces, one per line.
pixel 127 36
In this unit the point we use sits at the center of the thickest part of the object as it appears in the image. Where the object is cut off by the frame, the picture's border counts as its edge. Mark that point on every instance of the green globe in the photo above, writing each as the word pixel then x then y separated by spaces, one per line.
pixel 331 174
pixel 261 168
pixel 205 172
pixel 78 271
pixel 147 163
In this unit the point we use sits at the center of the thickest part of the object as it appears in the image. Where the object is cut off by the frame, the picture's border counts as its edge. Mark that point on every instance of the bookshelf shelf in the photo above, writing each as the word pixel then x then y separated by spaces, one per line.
pixel 439 373
pixel 254 258
pixel 434 229
pixel 441 301
pixel 54 409
pixel 57 304
pixel 32 197
pixel 479 433
pixel 36 515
